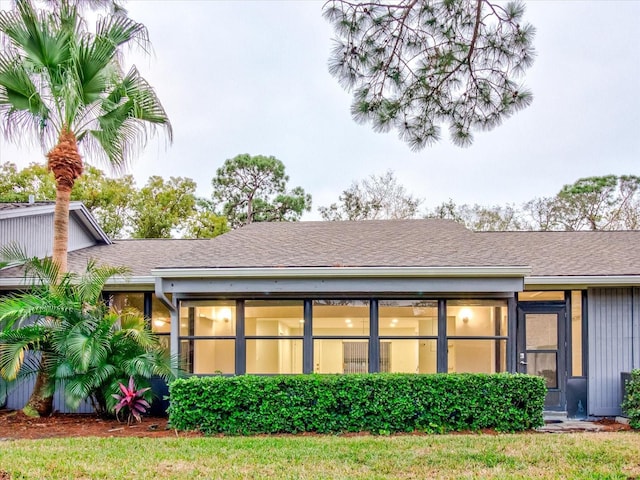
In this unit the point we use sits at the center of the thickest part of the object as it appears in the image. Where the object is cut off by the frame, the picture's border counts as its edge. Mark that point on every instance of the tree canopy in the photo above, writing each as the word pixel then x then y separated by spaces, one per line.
pixel 254 189
pixel 376 197
pixel 160 209
pixel 417 65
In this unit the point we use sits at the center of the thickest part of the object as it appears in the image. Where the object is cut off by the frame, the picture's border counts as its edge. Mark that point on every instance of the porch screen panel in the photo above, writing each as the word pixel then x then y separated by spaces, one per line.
pixel 410 329
pixel 340 333
pixel 207 336
pixel 477 335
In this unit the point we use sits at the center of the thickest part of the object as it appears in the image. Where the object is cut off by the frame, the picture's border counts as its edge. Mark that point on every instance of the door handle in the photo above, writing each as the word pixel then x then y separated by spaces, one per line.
pixel 523 363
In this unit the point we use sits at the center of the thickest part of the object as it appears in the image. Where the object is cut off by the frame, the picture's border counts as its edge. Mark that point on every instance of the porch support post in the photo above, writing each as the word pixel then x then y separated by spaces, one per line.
pixel 443 349
pixel 241 344
pixel 512 315
pixel 374 338
pixel 307 341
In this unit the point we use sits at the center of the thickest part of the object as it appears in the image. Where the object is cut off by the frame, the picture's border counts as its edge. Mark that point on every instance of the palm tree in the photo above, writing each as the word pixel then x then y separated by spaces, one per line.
pixel 84 346
pixel 64 85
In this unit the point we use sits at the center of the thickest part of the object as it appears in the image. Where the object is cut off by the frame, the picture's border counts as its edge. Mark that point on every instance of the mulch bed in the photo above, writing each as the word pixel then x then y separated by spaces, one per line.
pixel 15 425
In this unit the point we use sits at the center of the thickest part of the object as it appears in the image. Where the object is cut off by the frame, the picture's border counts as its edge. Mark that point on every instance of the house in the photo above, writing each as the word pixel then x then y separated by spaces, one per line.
pixel 420 296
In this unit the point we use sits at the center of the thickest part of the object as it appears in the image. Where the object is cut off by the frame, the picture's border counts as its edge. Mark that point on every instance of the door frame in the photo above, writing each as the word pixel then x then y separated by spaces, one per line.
pixel 556 398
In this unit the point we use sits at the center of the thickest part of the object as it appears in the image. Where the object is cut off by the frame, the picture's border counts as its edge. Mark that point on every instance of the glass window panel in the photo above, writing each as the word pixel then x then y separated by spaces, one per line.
pixel 341 356
pixel 542 331
pixel 408 356
pixel 340 317
pixel 576 333
pixel 274 356
pixel 408 318
pixel 121 301
pixel 541 296
pixel 210 318
pixel 274 318
pixel 544 365
pixel 477 356
pixel 481 318
pixel 207 357
pixel 160 316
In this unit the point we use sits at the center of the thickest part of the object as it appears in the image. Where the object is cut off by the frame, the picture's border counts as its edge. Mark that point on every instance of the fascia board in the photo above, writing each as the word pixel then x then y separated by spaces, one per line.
pixel 27 211
pixel 582 281
pixel 342 272
pixel 89 221
pixel 129 283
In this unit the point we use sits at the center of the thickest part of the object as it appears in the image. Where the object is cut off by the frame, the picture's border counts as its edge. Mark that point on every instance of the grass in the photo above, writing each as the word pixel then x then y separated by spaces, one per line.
pixel 575 455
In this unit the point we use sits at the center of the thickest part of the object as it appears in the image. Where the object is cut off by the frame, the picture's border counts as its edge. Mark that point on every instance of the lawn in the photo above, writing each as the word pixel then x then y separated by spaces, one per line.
pixel 529 455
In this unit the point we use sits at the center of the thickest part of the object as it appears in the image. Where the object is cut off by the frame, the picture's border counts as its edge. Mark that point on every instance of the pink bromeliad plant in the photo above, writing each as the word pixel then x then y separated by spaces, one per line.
pixel 132 401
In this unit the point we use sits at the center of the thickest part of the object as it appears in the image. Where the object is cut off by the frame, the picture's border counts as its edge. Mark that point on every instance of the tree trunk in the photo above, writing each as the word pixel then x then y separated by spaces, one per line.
pixel 41 401
pixel 61 228
pixel 66 164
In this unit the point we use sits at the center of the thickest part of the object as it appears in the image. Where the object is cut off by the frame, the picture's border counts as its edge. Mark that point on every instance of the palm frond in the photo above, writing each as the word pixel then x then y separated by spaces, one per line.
pixel 131 114
pixel 14 344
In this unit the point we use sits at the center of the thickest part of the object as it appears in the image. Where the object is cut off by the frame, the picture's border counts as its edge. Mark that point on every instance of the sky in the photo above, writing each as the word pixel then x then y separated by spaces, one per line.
pixel 251 77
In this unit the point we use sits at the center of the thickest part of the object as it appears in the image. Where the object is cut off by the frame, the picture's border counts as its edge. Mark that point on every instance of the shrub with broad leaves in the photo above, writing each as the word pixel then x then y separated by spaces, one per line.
pixel 132 401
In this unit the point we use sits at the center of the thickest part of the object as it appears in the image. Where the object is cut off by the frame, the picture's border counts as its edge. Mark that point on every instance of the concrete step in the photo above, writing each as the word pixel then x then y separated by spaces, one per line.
pixel 551 416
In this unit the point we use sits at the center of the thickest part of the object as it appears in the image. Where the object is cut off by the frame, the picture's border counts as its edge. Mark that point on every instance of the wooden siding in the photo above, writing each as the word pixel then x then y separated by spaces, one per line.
pixel 613 345
pixel 35 234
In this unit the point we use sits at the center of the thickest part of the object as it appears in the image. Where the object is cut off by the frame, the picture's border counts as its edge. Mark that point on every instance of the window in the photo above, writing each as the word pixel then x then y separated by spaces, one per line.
pixel 274 332
pixel 576 334
pixel 340 331
pixel 477 336
pixel 207 336
pixel 541 296
pixel 408 332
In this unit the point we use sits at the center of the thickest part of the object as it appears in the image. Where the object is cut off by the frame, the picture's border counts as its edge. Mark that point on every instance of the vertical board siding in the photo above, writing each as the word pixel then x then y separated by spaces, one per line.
pixel 79 237
pixel 611 331
pixel 34 233
pixel 18 396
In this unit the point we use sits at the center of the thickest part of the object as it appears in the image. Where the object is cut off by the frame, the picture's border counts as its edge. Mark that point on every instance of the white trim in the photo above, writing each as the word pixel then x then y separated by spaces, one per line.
pixel 584 281
pixel 341 272
pixel 145 282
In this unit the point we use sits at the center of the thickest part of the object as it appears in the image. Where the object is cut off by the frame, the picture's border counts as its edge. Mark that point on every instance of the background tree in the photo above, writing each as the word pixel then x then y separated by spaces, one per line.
pixel 65 86
pixel 607 202
pixel 254 189
pixel 108 199
pixel 480 218
pixel 375 197
pixel 414 65
pixel 160 206
pixel 204 222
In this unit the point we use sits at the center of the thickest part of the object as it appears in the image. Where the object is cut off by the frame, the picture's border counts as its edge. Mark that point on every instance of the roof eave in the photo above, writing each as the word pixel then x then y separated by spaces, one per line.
pixel 344 272
pixel 560 282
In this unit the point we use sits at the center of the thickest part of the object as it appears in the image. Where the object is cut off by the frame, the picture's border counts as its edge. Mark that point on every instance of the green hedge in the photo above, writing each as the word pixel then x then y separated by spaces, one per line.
pixel 631 403
pixel 377 403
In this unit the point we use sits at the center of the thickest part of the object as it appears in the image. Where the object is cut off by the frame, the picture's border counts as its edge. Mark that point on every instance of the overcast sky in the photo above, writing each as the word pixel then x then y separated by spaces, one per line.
pixel 251 77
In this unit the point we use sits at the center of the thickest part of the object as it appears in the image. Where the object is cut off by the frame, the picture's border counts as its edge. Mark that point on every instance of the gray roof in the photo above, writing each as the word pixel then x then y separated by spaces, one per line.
pixel 582 253
pixel 378 243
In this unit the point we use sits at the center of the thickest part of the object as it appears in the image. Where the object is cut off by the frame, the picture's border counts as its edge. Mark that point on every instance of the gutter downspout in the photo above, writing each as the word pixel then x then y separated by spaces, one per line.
pixel 175 317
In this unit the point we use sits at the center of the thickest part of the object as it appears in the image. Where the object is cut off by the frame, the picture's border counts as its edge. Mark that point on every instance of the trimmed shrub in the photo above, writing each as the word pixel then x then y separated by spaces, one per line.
pixel 376 403
pixel 631 403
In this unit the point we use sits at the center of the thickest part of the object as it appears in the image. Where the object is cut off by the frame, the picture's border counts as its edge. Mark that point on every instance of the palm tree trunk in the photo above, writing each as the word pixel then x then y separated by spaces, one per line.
pixel 61 228
pixel 41 401
pixel 66 164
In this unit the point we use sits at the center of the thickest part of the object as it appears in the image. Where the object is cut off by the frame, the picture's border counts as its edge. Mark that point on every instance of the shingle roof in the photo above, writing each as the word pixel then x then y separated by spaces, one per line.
pixel 384 243
pixel 572 253
pixel 381 243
